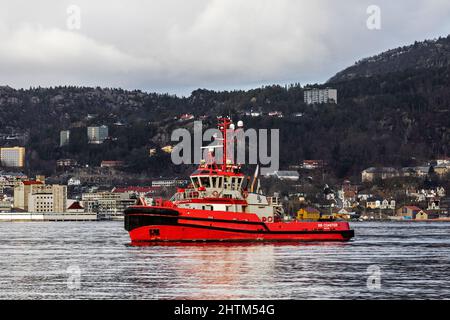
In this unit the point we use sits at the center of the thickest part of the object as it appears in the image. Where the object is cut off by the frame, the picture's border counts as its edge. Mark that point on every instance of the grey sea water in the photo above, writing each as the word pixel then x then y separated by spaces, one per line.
pixel 93 260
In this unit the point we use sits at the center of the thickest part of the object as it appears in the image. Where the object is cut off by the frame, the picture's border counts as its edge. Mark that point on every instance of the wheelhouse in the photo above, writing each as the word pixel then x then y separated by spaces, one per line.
pixel 218 181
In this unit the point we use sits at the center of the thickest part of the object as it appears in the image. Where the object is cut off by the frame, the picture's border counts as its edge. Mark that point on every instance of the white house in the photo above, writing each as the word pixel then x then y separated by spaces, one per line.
pixel 388 204
pixel 73 182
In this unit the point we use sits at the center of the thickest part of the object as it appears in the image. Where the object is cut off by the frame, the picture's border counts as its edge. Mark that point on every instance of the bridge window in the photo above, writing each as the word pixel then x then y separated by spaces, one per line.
pixel 231 183
pixel 235 183
pixel 240 180
pixel 205 182
pixel 195 182
pixel 219 182
pixel 227 182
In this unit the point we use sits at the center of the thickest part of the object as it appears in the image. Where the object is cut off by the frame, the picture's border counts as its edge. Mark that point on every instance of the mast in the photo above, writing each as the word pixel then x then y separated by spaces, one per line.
pixel 224 124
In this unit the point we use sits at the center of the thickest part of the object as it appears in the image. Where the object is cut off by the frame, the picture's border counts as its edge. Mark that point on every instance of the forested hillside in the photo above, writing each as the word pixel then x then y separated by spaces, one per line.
pixel 394 109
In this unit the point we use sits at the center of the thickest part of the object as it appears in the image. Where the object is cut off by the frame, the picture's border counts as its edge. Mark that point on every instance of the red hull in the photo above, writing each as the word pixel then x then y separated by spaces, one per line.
pixel 178 234
pixel 154 224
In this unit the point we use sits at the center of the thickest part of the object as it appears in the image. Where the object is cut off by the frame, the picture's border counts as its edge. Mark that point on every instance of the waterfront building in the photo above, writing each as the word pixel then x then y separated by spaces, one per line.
pixel 74 206
pixel 64 137
pixel 106 203
pixel 427 215
pixel 421 215
pixel 100 202
pixel 36 196
pixel 97 135
pixel 21 193
pixel 308 213
pixel 317 96
pixel 408 212
pixel 169 183
pixel 138 191
pixel 47 198
pixel 12 157
pixel 40 202
pixel 59 193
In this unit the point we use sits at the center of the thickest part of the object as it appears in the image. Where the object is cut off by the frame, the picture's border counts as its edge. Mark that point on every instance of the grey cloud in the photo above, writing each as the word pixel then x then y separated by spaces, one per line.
pixel 180 45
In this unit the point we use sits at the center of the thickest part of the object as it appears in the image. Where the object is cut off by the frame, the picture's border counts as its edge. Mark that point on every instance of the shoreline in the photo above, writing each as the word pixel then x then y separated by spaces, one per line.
pixel 46 217
pixel 402 220
pixel 64 217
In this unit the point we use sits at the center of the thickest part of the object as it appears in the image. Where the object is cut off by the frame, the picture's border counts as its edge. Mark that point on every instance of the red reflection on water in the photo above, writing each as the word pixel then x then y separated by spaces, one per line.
pixel 225 270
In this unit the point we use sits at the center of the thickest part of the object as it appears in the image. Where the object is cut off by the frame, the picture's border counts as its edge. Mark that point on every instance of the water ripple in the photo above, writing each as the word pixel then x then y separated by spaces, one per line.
pixel 413 258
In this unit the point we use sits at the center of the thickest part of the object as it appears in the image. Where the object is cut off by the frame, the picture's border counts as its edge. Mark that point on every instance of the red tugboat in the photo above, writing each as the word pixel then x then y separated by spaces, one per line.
pixel 217 207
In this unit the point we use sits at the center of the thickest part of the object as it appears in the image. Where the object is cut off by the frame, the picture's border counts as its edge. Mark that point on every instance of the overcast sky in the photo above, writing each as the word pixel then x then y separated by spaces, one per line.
pixel 176 46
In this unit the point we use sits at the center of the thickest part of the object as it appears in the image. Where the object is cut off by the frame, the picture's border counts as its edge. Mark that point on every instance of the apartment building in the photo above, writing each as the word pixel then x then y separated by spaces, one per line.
pixel 36 196
pixel 12 157
pixel 64 138
pixel 112 203
pixel 317 96
pixel 97 135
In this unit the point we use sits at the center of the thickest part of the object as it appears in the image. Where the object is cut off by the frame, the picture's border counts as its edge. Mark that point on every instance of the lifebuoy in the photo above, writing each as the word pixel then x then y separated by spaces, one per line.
pixel 264 219
pixel 270 219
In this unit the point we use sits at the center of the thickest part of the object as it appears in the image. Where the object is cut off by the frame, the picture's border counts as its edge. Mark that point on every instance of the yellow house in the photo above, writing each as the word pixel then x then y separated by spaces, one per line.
pixel 421 215
pixel 308 214
pixel 374 203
